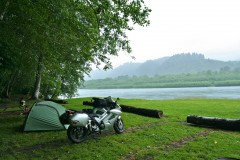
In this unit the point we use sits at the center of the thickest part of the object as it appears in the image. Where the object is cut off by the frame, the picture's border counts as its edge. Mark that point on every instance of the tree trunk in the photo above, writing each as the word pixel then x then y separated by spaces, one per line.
pixel 4 11
pixel 37 85
pixel 6 92
pixel 229 124
pixel 7 89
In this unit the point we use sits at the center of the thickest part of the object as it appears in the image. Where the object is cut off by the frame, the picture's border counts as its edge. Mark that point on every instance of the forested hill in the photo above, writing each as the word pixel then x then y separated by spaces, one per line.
pixel 177 64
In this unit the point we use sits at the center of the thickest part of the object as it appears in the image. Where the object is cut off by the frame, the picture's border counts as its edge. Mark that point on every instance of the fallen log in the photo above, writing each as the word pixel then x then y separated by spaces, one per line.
pixel 214 122
pixel 87 103
pixel 135 110
pixel 59 101
pixel 142 111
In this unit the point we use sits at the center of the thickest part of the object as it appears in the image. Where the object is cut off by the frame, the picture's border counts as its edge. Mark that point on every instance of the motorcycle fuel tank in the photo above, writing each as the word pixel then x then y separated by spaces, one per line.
pixel 79 119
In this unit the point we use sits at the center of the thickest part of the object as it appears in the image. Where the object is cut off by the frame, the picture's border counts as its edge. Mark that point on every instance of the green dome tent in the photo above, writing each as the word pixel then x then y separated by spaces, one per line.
pixel 45 116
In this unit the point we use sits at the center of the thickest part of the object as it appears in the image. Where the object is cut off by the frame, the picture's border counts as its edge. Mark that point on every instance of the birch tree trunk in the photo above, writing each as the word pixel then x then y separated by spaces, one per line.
pixel 37 85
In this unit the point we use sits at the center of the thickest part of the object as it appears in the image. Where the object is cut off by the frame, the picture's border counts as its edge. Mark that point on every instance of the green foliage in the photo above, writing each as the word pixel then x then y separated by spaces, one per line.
pixel 145 138
pixel 201 79
pixel 48 46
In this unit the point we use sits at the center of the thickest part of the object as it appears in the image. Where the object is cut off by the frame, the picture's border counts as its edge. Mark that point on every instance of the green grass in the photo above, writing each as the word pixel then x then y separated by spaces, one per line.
pixel 144 138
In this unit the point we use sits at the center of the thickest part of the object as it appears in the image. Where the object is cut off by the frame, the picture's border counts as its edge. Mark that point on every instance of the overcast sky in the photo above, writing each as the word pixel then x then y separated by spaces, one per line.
pixel 210 27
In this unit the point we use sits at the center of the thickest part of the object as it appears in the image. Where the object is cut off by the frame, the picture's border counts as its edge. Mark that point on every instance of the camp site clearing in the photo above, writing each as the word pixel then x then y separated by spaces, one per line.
pixel 168 137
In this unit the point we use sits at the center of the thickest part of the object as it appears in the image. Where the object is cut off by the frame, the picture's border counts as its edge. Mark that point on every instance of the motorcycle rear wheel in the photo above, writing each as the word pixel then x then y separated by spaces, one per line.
pixel 76 134
pixel 118 126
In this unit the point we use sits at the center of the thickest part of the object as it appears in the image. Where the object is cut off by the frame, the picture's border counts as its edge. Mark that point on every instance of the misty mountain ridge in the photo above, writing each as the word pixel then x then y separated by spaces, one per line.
pixel 176 64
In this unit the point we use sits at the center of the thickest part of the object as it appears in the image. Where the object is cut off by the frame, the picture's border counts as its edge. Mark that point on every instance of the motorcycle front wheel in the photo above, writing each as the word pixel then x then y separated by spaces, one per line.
pixel 76 134
pixel 118 126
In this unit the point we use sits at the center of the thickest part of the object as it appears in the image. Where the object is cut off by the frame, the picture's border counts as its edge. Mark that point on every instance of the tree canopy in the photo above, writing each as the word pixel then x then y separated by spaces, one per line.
pixel 47 46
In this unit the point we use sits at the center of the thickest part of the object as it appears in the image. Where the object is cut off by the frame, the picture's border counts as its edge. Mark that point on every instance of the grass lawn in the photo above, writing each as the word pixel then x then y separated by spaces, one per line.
pixel 144 138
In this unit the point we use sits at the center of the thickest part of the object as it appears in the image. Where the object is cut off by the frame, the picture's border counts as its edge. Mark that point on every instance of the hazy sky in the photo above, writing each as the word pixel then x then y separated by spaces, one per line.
pixel 210 27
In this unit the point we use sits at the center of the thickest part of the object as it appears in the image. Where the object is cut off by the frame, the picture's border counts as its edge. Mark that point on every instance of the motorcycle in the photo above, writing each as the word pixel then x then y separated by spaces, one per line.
pixel 105 116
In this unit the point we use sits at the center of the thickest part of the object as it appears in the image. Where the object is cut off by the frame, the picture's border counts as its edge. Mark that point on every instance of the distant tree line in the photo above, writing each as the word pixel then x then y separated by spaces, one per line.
pixel 224 77
pixel 176 64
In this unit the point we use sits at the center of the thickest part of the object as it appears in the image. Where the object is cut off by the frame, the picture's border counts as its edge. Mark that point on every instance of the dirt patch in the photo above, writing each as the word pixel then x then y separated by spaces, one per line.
pixel 10 113
pixel 145 126
pixel 30 149
pixel 173 145
pixel 180 143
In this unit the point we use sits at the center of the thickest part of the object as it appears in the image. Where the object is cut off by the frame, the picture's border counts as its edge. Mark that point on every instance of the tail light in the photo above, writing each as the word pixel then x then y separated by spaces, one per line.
pixel 70 112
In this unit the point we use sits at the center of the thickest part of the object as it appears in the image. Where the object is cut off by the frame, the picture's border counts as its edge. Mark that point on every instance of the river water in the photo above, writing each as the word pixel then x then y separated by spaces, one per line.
pixel 164 93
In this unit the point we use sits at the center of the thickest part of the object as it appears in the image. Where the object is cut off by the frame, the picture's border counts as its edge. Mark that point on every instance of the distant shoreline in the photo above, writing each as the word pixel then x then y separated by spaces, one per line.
pixel 161 87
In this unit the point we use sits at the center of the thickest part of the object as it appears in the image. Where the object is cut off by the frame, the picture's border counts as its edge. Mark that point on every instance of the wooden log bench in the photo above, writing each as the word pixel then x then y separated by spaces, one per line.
pixel 142 111
pixel 59 101
pixel 135 110
pixel 214 122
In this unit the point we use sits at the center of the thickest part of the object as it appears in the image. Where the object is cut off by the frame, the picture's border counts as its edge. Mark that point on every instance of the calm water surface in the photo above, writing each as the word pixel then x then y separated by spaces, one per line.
pixel 164 93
